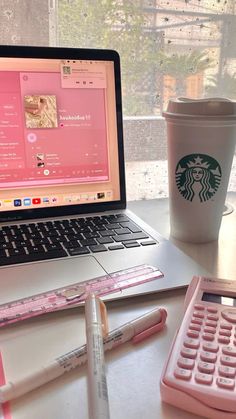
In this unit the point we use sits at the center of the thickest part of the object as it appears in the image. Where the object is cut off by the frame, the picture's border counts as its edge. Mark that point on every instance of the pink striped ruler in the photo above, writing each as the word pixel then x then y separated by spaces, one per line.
pixel 74 295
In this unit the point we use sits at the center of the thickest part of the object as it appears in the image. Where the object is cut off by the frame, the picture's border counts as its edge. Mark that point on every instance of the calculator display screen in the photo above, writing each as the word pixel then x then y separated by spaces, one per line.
pixel 219 299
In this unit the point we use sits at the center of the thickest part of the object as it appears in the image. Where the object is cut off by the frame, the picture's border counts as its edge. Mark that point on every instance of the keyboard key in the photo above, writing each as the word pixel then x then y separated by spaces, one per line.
pixel 229 350
pixel 204 378
pixel 131 236
pixel 212 309
pixel 224 332
pixel 189 353
pixel 192 334
pixel 112 226
pixel 210 347
pixel 210 323
pixel 183 374
pixel 131 226
pixel 199 307
pixel 198 314
pixel 196 321
pixel 16 252
pixel 224 339
pixel 206 367
pixel 78 251
pixel 226 326
pixel 210 330
pixel 191 343
pixel 131 244
pixel 186 363
pixel 207 336
pixel 122 231
pixel 196 327
pixel 228 372
pixel 105 240
pixel 105 233
pixel 208 356
pixel 98 248
pixel 148 243
pixel 226 383
pixel 88 242
pixel 213 317
pixel 116 247
pixel 228 360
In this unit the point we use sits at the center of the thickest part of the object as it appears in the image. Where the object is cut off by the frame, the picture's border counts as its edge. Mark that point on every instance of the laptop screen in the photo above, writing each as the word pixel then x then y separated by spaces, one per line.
pixel 58 133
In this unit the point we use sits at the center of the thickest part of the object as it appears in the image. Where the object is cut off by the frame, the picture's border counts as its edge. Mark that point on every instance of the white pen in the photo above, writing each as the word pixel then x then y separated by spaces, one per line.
pixel 137 330
pixel 96 329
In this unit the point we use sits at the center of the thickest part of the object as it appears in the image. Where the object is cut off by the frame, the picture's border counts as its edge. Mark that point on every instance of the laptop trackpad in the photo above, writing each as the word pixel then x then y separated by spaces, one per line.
pixel 24 280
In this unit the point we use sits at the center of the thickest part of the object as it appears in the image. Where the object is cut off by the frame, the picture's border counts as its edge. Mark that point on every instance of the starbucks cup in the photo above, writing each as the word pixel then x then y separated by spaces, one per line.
pixel 201 142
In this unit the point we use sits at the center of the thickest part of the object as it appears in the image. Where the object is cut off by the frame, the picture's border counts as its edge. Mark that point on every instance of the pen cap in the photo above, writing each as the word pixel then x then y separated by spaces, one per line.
pixel 148 320
pixel 95 312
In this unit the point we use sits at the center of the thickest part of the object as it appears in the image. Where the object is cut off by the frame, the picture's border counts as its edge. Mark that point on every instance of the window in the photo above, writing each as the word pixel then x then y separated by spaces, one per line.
pixel 167 48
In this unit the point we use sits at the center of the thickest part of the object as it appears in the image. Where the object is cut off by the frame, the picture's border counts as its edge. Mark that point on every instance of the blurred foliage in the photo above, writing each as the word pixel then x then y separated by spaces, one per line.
pixel 114 25
pixel 122 25
pixel 226 87
pixel 183 65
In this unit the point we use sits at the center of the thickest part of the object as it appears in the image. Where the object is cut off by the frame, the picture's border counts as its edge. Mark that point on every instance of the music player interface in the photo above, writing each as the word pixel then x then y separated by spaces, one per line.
pixel 55 126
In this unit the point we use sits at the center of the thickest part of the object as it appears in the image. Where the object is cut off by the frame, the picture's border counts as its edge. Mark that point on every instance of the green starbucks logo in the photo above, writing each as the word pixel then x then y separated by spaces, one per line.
pixel 198 176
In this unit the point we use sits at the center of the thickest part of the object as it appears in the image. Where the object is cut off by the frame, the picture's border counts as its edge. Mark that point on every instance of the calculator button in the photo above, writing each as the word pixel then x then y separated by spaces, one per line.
pixel 210 347
pixel 223 339
pixel 189 353
pixel 226 326
pixel 224 332
pixel 183 374
pixel 213 317
pixel 196 321
pixel 229 315
pixel 229 350
pixel 212 310
pixel 193 334
pixel 228 372
pixel 191 343
pixel 186 363
pixel 199 307
pixel 196 327
pixel 211 323
pixel 210 330
pixel 206 367
pixel 207 336
pixel 228 360
pixel 226 383
pixel 198 314
pixel 208 356
pixel 203 378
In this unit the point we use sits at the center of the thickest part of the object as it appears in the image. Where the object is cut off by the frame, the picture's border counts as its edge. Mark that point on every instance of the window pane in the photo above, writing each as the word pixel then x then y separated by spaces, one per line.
pixel 167 48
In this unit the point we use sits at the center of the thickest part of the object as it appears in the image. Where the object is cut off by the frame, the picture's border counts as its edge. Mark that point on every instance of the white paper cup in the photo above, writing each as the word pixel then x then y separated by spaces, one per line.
pixel 201 136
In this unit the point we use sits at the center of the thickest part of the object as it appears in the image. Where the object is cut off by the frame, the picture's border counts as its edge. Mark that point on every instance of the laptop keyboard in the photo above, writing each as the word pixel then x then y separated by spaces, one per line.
pixel 71 237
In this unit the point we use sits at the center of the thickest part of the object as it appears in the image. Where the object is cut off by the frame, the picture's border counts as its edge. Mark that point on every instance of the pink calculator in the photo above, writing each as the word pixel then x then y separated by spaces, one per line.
pixel 200 372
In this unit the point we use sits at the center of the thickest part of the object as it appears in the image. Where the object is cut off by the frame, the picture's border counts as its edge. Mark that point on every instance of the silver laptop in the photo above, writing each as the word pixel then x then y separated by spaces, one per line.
pixel 63 216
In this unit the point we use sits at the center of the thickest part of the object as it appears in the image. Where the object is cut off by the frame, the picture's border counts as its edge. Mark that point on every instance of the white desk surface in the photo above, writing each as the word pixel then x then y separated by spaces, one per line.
pixel 133 372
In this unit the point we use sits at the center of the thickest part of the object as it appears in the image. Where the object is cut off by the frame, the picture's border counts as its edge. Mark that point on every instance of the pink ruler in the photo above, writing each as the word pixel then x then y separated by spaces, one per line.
pixel 75 294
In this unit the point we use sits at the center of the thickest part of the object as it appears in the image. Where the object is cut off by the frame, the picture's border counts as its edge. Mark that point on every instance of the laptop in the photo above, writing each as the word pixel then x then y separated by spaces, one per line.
pixel 63 216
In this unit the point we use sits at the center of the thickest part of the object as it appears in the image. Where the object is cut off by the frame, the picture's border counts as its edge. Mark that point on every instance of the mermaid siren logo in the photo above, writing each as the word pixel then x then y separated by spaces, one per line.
pixel 198 176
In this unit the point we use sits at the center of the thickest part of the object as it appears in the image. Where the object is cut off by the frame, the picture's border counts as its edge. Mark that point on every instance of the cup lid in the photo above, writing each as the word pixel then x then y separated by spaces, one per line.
pixel 212 107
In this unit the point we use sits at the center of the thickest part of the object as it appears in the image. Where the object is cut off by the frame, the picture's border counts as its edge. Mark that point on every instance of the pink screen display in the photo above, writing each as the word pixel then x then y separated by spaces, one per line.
pixel 52 131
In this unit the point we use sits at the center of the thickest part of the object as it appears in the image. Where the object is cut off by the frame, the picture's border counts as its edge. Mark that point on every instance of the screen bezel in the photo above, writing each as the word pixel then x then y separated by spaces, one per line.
pixel 74 54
